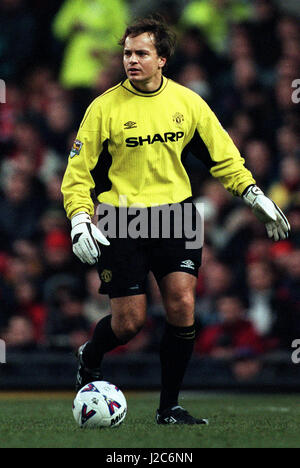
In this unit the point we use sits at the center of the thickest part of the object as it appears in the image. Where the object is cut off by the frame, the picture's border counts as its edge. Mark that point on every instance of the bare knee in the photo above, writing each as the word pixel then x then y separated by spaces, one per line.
pixel 128 328
pixel 180 309
pixel 128 317
pixel 178 292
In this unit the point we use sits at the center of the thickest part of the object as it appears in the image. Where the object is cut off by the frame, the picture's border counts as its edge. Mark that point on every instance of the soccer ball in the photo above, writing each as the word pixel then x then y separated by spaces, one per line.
pixel 99 404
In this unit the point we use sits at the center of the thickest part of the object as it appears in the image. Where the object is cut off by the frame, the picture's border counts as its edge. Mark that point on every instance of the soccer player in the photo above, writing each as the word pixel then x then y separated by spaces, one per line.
pixel 131 145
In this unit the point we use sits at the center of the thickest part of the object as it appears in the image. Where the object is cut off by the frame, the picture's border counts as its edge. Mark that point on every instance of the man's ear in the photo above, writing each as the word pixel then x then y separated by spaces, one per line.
pixel 162 62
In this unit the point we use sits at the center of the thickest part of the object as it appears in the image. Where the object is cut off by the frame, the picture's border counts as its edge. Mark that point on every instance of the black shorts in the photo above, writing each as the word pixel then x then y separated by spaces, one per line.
pixel 124 264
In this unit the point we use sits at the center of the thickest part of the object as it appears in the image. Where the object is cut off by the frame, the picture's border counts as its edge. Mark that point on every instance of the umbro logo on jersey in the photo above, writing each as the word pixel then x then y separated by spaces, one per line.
pixel 129 125
pixel 188 264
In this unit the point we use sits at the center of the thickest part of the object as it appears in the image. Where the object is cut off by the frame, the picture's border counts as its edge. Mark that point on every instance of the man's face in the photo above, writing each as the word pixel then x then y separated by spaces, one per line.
pixel 141 62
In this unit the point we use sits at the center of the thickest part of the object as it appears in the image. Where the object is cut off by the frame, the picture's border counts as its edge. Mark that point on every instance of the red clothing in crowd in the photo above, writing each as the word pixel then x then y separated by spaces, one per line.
pixel 238 336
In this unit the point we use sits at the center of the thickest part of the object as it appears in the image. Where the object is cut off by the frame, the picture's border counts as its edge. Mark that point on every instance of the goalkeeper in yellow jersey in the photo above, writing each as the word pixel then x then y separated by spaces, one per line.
pixel 130 150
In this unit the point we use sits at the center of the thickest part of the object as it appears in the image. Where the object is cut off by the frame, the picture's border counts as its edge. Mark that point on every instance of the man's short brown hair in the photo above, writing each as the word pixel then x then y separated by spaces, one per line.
pixel 165 38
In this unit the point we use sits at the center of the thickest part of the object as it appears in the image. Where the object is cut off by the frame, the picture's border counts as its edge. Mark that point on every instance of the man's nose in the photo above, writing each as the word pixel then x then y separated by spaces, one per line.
pixel 133 59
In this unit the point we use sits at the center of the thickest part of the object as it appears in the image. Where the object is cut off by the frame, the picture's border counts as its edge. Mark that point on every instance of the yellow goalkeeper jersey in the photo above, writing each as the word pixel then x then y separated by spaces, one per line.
pixel 131 146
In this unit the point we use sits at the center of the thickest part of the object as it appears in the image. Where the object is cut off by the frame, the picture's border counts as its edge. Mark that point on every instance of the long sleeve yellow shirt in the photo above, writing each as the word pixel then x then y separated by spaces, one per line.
pixel 132 144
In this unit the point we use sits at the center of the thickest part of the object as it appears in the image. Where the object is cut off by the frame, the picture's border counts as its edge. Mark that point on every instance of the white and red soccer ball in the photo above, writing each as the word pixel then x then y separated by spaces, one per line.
pixel 99 404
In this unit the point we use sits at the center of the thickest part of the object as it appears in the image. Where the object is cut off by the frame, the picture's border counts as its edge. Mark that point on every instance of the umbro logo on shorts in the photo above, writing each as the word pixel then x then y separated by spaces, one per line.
pixel 188 264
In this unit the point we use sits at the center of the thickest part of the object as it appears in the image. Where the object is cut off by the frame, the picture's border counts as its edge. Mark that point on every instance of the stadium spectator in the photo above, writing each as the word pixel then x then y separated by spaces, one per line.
pixel 29 253
pixel 29 305
pixel 282 190
pixel 258 160
pixel 18 202
pixel 240 45
pixel 57 126
pixel 53 193
pixel 215 18
pixel 261 291
pixel 263 31
pixel 294 213
pixel 288 301
pixel 169 9
pixel 19 334
pixel 89 38
pixel 6 293
pixel 109 76
pixel 17 38
pixel 241 128
pixel 57 254
pixel 66 325
pixel 288 141
pixel 194 77
pixel 288 28
pixel 217 280
pixel 9 112
pixel 232 335
pixel 29 151
pixel 193 49
pixel 283 98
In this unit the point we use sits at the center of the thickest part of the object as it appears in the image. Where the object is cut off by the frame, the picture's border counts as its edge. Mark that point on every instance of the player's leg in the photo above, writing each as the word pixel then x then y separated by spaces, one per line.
pixel 178 293
pixel 123 271
pixel 175 262
pixel 128 315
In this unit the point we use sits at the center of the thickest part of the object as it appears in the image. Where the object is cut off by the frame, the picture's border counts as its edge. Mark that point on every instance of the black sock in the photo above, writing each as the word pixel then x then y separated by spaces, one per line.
pixel 103 340
pixel 175 352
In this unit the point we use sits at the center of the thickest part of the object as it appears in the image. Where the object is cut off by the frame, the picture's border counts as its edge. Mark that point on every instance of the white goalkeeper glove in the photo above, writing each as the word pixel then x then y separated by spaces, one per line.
pixel 85 237
pixel 267 212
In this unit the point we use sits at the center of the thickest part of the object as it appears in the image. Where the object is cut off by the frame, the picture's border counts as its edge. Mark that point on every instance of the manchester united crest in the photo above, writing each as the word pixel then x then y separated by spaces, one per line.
pixel 106 276
pixel 178 118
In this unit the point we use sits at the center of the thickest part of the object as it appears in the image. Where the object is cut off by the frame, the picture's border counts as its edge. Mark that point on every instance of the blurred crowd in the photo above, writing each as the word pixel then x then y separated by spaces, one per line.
pixel 242 58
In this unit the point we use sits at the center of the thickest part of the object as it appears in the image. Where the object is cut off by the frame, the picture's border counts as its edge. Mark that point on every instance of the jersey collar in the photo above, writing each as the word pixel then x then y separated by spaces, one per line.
pixel 132 89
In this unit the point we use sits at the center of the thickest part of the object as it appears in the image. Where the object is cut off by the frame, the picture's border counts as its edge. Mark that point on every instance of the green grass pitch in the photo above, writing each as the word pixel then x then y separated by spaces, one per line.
pixel 236 421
